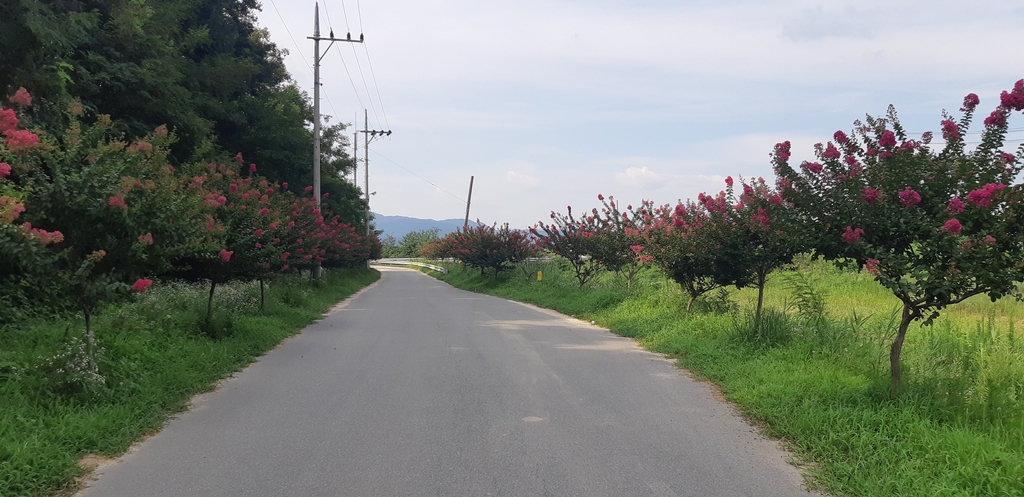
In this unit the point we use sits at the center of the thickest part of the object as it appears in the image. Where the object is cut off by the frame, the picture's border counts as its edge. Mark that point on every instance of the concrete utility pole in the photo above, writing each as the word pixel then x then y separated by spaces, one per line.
pixel 316 101
pixel 469 199
pixel 368 134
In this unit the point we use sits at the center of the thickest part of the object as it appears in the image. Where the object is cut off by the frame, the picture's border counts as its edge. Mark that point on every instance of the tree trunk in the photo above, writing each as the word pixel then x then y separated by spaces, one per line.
pixel 209 302
pixel 896 350
pixel 761 277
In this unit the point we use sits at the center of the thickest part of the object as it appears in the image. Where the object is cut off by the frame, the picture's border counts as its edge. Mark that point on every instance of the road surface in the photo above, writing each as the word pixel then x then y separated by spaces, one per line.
pixel 416 388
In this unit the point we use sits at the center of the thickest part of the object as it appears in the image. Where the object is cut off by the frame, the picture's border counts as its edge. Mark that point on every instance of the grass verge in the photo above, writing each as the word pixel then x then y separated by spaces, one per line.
pixel 154 354
pixel 815 374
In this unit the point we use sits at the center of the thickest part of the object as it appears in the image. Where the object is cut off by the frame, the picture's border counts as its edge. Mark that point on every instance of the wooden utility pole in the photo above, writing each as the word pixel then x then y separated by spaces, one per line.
pixel 469 199
pixel 316 101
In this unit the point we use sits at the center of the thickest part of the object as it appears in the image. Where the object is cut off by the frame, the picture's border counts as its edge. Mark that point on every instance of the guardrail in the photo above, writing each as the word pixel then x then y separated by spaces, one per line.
pixel 409 262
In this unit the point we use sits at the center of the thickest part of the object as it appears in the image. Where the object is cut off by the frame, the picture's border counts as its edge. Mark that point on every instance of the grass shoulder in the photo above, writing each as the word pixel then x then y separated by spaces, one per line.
pixel 154 354
pixel 818 379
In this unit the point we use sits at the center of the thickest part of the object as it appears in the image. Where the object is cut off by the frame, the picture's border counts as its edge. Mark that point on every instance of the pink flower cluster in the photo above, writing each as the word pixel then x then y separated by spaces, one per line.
pixel 5 170
pixel 10 209
pixel 762 218
pixel 1014 99
pixel 21 140
pixel 887 140
pixel 871 266
pixel 146 239
pixel 909 197
pixel 141 285
pixel 813 167
pixel 956 206
pixel 950 131
pixel 982 197
pixel 831 152
pixel 42 236
pixel 782 150
pixel 970 102
pixel 21 97
pixel 852 235
pixel 952 227
pixel 225 255
pixel 870 196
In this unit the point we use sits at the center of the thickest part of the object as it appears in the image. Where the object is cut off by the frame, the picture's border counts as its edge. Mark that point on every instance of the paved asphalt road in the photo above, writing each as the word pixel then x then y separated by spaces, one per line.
pixel 416 388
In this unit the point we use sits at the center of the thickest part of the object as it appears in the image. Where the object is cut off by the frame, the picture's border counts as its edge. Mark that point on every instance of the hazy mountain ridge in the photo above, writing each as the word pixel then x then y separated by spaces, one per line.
pixel 399 226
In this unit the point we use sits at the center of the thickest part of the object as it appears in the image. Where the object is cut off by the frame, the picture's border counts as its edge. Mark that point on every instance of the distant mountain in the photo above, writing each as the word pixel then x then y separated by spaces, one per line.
pixel 399 226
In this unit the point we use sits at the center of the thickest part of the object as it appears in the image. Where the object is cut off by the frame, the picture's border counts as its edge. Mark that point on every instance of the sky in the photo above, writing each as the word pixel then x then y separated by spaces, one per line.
pixel 549 103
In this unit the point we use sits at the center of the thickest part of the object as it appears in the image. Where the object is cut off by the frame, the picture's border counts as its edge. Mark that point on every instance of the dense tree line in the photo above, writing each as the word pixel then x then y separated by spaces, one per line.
pixel 201 67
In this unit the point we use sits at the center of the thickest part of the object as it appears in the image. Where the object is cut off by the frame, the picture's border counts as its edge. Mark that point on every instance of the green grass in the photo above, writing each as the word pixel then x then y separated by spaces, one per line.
pixel 820 381
pixel 154 359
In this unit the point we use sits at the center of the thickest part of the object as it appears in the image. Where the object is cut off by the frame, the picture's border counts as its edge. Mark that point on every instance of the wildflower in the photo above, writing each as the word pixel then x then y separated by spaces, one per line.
pixel 225 255
pixel 970 102
pixel 909 197
pixel 141 285
pixel 956 206
pixel 21 97
pixel 952 227
pixel 852 236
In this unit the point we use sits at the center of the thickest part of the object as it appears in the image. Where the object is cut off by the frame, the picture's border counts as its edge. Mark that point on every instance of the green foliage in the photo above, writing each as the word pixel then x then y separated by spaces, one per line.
pixel 488 247
pixel 411 243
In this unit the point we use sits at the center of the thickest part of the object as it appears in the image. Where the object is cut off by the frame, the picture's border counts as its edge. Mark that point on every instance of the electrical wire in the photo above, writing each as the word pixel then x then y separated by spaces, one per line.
pixel 367 87
pixel 374 78
pixel 420 177
pixel 298 49
pixel 350 80
pixel 345 12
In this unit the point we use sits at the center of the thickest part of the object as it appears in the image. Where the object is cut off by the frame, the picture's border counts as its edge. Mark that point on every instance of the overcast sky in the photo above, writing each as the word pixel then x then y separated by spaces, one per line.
pixel 549 103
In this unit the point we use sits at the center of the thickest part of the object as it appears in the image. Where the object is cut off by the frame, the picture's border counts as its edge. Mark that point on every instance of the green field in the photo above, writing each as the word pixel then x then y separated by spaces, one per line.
pixel 816 374
pixel 154 358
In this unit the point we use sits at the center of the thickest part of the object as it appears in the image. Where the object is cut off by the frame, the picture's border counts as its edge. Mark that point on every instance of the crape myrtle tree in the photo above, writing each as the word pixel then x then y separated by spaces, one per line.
pixel 497 248
pixel 619 239
pixel 757 234
pixel 683 242
pixel 574 242
pixel 111 212
pixel 935 227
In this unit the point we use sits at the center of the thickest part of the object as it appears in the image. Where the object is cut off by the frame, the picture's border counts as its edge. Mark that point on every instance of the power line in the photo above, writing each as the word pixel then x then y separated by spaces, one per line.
pixel 374 77
pixel 350 80
pixel 367 87
pixel 421 177
pixel 298 49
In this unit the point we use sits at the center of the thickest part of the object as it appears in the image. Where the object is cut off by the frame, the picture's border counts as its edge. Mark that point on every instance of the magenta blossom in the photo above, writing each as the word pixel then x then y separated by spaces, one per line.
pixel 909 197
pixel 21 140
pixel 871 266
pixel 8 120
pixel 728 181
pixel 5 170
pixel 225 255
pixel 852 235
pixel 950 131
pixel 831 152
pixel 887 140
pixel 996 119
pixel 840 137
pixel 952 227
pixel 970 102
pixel 21 97
pixel 869 196
pixel 782 150
pixel 1014 99
pixel 141 285
pixel 813 167
pixel 956 206
pixel 982 197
